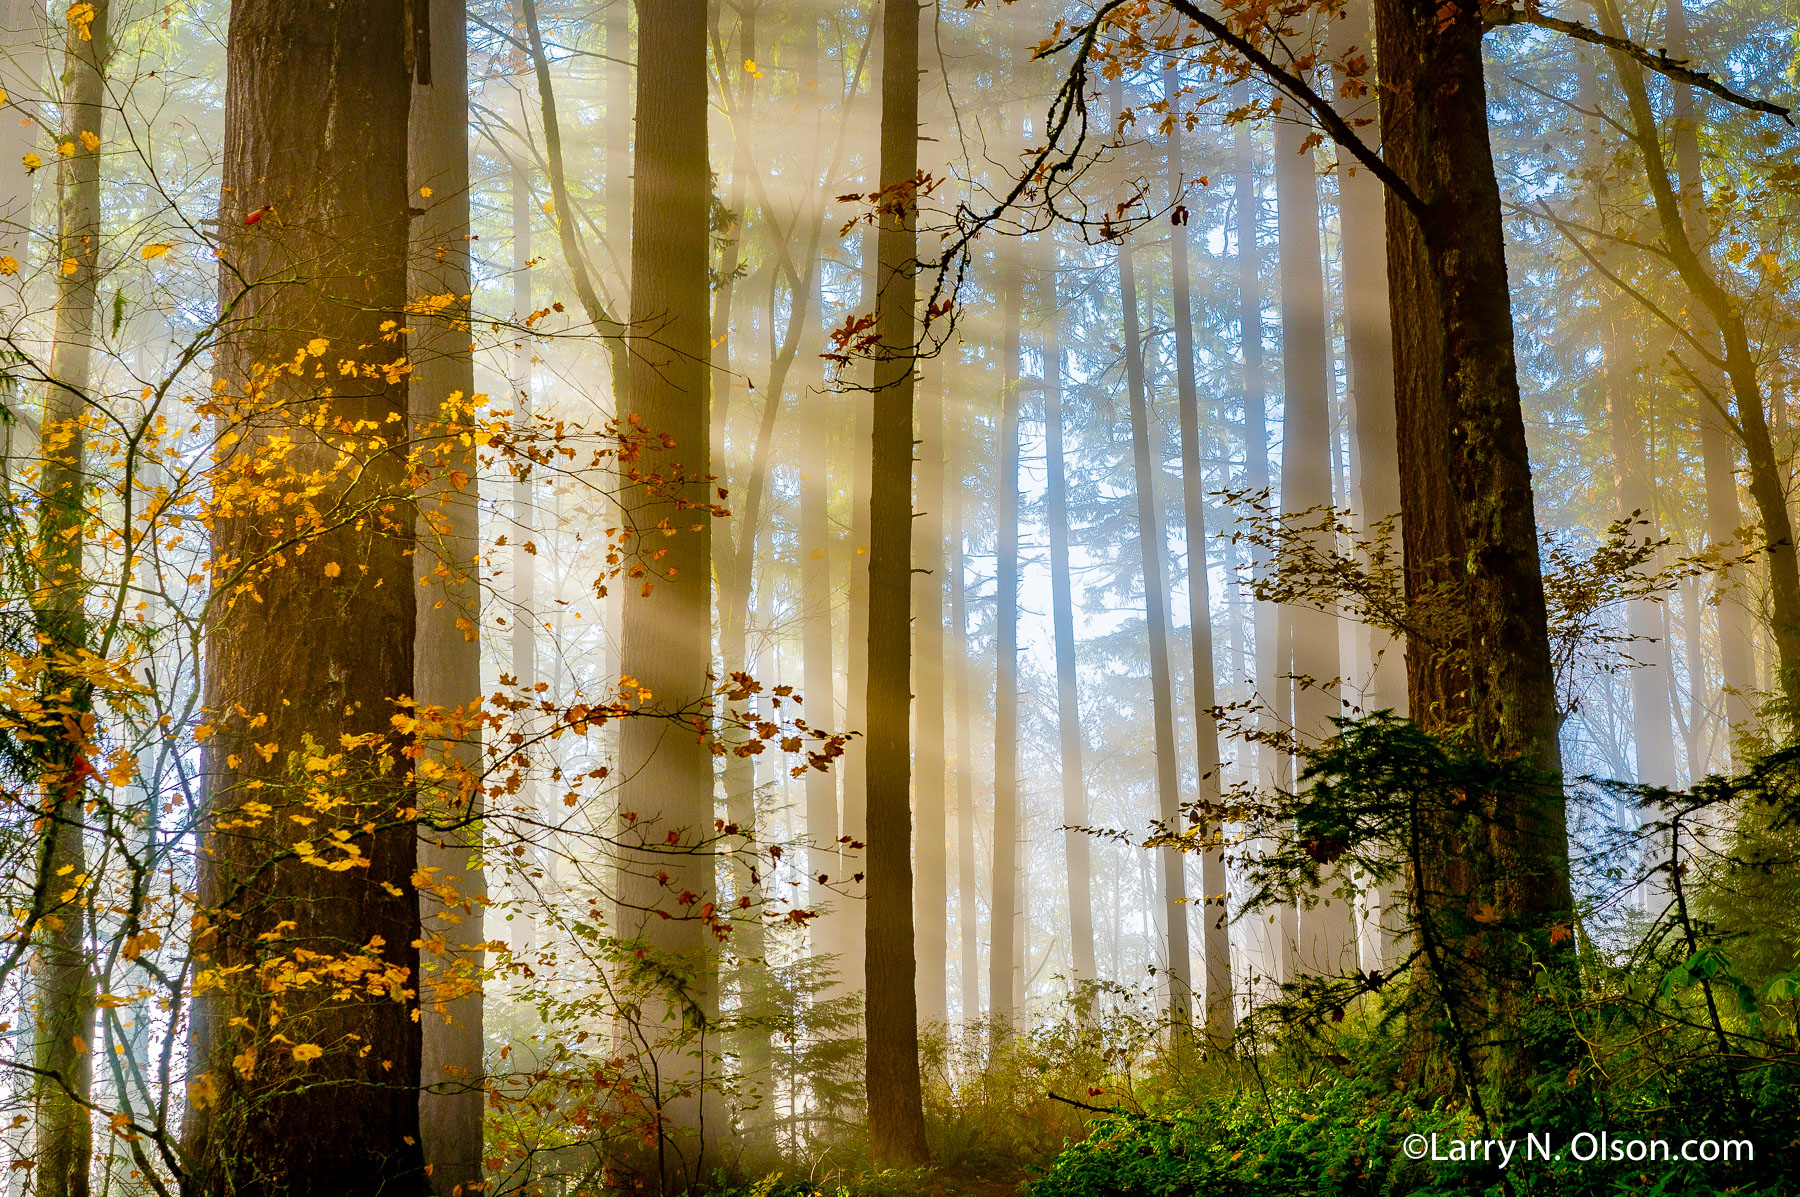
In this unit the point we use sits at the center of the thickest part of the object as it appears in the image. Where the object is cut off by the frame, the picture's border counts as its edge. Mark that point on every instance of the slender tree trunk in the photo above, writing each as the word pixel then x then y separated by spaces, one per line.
pixel 62 971
pixel 846 927
pixel 967 916
pixel 315 185
pixel 735 571
pixel 1062 610
pixel 1718 458
pixel 932 907
pixel 1375 463
pixel 1470 533
pixel 1004 962
pixel 667 769
pixel 1156 600
pixel 1327 944
pixel 896 1114
pixel 522 641
pixel 1215 932
pixel 1749 408
pixel 447 653
pixel 1270 645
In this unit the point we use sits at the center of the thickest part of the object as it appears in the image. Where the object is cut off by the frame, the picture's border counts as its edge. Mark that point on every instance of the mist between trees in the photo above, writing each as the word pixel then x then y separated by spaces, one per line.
pixel 832 597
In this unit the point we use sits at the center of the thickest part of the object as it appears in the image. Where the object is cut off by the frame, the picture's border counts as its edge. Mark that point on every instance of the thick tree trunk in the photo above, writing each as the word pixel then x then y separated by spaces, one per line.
pixel 666 767
pixel 1327 943
pixel 1062 616
pixel 1215 932
pixel 1003 905
pixel 896 1115
pixel 314 185
pixel 932 907
pixel 1156 610
pixel 447 656
pixel 1470 534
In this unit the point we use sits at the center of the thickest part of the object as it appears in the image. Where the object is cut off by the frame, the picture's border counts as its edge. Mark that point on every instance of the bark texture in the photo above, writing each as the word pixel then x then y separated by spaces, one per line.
pixel 313 212
pixel 1470 532
pixel 896 1115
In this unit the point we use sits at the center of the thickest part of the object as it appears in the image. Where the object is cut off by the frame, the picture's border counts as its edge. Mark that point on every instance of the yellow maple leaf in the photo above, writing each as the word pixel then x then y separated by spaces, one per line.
pixel 155 249
pixel 89 140
pixel 82 16
pixel 66 149
pixel 307 1051
pixel 70 265
pixel 425 192
pixel 333 569
pixel 32 162
pixel 9 264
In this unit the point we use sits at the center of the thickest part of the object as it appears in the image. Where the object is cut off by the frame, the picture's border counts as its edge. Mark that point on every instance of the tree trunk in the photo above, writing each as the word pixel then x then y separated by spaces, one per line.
pixel 1004 964
pixel 1327 943
pixel 1215 931
pixel 667 768
pixel 1156 600
pixel 1470 533
pixel 1375 463
pixel 62 971
pixel 932 907
pixel 1750 419
pixel 967 884
pixel 522 608
pixel 896 1115
pixel 1062 610
pixel 1270 654
pixel 314 185
pixel 1718 458
pixel 447 652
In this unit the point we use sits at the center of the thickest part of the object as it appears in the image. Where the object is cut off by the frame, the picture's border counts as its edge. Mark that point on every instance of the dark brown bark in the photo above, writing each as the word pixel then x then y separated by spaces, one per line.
pixel 1062 614
pixel 1470 534
pixel 1004 949
pixel 1327 944
pixel 1215 934
pixel 447 658
pixel 667 769
pixel 896 1114
pixel 315 151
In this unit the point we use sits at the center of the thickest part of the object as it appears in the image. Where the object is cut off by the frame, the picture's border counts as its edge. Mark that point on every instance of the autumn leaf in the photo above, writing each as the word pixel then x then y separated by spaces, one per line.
pixel 70 265
pixel 307 1051
pixel 32 162
pixel 333 569
pixel 82 17
pixel 9 265
pixel 155 249
pixel 90 141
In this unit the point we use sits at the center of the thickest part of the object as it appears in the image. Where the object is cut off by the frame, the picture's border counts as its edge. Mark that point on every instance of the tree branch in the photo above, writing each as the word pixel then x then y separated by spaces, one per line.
pixel 1496 15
